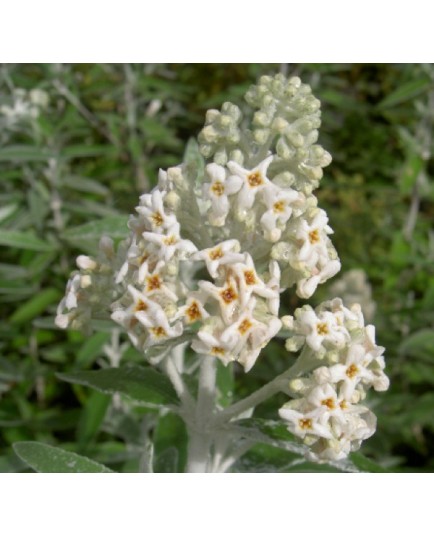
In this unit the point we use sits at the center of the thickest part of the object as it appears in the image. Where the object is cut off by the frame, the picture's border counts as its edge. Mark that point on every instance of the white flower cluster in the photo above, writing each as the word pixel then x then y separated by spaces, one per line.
pixel 327 414
pixel 25 106
pixel 149 309
pixel 90 290
pixel 243 308
pixel 215 243
pixel 249 215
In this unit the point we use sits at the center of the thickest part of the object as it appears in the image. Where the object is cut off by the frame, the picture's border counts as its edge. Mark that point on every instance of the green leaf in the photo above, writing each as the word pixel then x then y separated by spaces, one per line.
pixel 35 306
pixel 142 384
pixel 85 151
pixel 419 345
pixel 25 153
pixel 407 91
pixel 113 226
pixel 167 461
pixel 7 211
pixel 11 464
pixel 83 184
pixel 91 349
pixel 22 240
pixel 410 173
pixel 47 459
pixel 274 430
pixel 365 464
pixel 170 444
pixel 92 416
pixel 265 458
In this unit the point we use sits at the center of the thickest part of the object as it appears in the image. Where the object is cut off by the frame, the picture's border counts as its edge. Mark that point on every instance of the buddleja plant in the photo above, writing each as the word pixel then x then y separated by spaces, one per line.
pixel 199 280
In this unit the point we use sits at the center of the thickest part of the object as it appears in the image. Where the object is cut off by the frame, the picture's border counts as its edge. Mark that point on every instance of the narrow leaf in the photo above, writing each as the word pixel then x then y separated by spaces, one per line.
pixel 139 383
pixel 92 416
pixel 113 226
pixel 405 92
pixel 47 459
pixel 419 345
pixel 365 464
pixel 24 153
pixel 22 240
pixel 35 306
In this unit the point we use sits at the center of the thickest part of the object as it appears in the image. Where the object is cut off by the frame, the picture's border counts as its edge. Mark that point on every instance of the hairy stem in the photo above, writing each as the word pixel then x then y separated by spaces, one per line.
pixel 172 371
pixel 200 434
pixel 280 383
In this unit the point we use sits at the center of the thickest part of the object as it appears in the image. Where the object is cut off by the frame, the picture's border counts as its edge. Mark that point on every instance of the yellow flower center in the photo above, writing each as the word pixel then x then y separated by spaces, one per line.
pixel 158 332
pixel 322 328
pixel 351 371
pixel 141 306
pixel 157 218
pixel 255 179
pixel 228 294
pixel 329 402
pixel 244 327
pixel 218 188
pixel 170 240
pixel 279 206
pixel 305 424
pixel 193 312
pixel 215 254
pixel 249 277
pixel 153 282
pixel 314 236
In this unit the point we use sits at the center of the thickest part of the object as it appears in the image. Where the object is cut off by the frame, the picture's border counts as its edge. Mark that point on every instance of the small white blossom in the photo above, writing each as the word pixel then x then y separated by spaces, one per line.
pixel 321 328
pixel 217 192
pixel 151 208
pixel 279 209
pixel 313 239
pixel 171 243
pixel 253 181
pixel 226 252
pixel 249 282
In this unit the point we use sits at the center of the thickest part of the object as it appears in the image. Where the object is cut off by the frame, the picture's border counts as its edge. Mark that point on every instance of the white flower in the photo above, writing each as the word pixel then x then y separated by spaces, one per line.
pixel 217 192
pixel 193 310
pixel 253 181
pixel 354 370
pixel 171 243
pixel 151 208
pixel 321 328
pixel 250 283
pixel 278 202
pixel 274 285
pixel 227 296
pixel 145 321
pixel 226 252
pixel 302 424
pixel 312 237
pixel 360 367
pixel 259 337
pixel 327 269
pixel 210 344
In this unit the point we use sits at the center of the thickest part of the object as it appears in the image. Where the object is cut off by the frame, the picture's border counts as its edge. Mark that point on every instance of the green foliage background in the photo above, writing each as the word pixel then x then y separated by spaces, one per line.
pixel 107 130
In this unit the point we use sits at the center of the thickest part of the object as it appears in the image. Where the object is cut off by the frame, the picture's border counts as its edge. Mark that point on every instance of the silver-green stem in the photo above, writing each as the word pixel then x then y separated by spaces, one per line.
pixel 199 430
pixel 178 383
pixel 280 383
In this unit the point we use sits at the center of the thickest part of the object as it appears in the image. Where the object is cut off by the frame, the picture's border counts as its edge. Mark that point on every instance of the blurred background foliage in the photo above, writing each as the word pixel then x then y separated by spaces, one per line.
pixel 80 142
